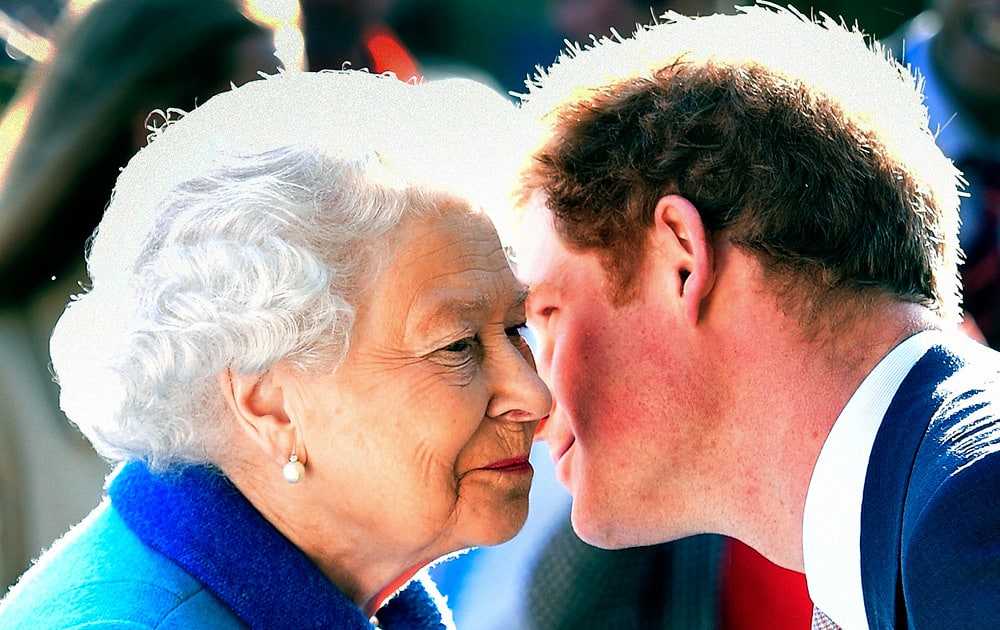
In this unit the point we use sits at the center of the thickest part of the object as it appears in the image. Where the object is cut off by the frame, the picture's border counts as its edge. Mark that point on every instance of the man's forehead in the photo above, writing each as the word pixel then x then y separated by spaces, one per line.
pixel 536 237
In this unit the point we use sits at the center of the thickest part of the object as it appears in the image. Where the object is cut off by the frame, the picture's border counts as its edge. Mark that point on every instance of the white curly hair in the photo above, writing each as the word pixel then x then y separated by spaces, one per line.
pixel 242 235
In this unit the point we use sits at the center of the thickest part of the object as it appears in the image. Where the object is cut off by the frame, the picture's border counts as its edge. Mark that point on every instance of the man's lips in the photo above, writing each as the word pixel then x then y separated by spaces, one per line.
pixel 518 463
pixel 561 460
pixel 558 452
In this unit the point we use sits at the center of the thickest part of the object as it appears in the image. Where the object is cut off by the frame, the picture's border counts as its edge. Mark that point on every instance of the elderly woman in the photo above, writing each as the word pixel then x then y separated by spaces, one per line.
pixel 302 344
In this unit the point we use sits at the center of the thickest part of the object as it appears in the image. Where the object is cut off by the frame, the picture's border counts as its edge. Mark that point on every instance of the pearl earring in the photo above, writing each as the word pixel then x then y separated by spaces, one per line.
pixel 293 470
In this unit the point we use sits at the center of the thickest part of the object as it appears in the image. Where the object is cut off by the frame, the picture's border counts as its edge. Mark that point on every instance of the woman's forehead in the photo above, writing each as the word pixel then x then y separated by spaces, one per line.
pixel 448 266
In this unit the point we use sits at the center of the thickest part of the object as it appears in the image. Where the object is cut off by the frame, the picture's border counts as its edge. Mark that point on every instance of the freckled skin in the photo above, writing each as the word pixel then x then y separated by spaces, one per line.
pixel 437 385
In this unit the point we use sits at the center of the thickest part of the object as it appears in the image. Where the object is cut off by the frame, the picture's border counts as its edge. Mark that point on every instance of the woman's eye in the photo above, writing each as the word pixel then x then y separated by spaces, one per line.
pixel 462 346
pixel 463 349
pixel 461 354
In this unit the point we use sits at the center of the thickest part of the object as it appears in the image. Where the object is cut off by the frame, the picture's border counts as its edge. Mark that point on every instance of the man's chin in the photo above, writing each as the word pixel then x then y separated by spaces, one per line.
pixel 607 529
pixel 599 531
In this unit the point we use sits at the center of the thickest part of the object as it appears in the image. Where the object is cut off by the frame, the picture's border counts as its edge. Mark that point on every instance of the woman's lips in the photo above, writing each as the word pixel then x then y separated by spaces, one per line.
pixel 518 464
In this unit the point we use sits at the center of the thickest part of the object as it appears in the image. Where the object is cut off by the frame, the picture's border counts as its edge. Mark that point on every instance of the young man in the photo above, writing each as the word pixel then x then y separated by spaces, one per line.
pixel 741 242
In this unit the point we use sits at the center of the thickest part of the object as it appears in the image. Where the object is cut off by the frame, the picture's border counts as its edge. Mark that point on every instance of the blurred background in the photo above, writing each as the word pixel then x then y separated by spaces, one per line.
pixel 504 39
pixel 76 89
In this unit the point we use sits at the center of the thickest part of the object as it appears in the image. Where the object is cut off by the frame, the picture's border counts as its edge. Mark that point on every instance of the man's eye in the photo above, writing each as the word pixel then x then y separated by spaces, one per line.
pixel 516 331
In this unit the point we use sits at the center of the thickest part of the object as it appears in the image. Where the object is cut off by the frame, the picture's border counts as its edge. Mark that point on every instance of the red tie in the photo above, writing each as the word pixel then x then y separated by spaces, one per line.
pixel 759 595
pixel 981 271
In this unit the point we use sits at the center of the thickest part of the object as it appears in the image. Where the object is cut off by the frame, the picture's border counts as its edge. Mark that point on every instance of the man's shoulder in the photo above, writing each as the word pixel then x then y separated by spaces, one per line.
pixel 955 375
pixel 948 550
pixel 951 514
pixel 948 507
pixel 964 425
pixel 101 573
pixel 948 408
pixel 960 449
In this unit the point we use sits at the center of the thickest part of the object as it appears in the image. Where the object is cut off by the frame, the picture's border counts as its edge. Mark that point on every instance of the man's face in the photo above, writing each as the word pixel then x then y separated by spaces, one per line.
pixel 623 431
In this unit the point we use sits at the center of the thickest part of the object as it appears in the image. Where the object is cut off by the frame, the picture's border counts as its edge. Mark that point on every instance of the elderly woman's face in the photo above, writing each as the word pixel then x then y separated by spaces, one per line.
pixel 420 439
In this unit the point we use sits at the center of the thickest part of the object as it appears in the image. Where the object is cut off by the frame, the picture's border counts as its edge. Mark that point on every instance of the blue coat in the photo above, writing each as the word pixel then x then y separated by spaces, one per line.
pixel 187 550
pixel 935 562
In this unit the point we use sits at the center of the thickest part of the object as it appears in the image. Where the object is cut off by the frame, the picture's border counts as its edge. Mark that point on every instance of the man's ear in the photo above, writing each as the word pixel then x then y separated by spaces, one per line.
pixel 679 231
pixel 257 404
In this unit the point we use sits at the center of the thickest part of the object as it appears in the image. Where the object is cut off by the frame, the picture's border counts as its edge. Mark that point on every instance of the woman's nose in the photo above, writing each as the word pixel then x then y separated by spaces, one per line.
pixel 519 394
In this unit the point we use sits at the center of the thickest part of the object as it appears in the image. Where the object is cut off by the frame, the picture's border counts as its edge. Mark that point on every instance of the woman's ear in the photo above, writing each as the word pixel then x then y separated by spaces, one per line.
pixel 679 231
pixel 257 404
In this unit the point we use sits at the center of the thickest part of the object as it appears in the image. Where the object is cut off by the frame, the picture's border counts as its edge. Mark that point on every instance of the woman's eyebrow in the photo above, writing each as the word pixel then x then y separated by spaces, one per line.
pixel 463 301
pixel 519 298
pixel 522 293
pixel 450 306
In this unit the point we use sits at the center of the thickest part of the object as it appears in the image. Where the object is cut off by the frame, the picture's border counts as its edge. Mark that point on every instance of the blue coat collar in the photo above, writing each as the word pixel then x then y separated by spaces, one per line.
pixel 198 519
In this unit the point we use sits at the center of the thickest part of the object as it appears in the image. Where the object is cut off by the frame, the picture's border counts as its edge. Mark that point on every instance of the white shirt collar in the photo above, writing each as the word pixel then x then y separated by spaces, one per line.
pixel 831 524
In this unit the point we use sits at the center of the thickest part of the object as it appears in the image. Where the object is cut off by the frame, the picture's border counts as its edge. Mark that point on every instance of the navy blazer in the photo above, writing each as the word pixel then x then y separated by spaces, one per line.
pixel 930 516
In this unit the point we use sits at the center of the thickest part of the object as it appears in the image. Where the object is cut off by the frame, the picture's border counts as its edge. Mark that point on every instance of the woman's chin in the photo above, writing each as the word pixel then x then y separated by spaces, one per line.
pixel 499 526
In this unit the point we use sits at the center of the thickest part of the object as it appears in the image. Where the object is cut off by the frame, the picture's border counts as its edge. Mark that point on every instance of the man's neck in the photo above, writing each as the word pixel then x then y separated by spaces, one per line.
pixel 805 386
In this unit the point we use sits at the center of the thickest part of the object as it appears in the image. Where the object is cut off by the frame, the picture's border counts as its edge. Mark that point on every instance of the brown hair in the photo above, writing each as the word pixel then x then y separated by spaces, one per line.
pixel 773 164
